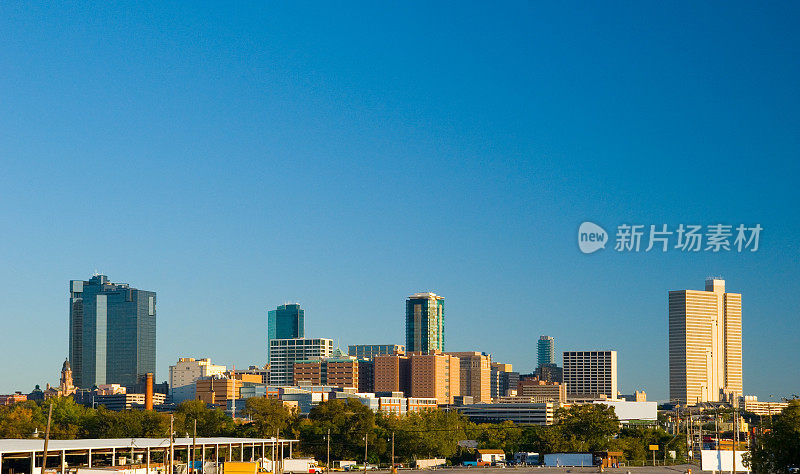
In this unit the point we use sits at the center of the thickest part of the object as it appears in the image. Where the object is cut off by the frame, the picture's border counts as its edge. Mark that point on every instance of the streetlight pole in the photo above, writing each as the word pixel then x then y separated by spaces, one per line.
pixel 366 442
pixel 171 447
pixel 392 451
pixel 46 440
pixel 194 445
pixel 735 432
pixel 328 459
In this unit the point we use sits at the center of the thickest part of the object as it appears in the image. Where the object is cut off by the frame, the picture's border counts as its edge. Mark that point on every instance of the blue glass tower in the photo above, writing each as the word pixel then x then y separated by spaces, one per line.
pixel 287 321
pixel 112 332
pixel 547 350
pixel 424 322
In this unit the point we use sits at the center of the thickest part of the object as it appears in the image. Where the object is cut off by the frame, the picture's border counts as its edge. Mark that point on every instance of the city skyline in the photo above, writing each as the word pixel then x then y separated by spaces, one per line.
pixel 232 159
pixel 697 309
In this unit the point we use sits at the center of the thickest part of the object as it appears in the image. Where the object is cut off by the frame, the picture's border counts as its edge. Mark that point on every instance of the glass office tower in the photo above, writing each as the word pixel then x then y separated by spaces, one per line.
pixel 112 332
pixel 547 350
pixel 424 322
pixel 287 321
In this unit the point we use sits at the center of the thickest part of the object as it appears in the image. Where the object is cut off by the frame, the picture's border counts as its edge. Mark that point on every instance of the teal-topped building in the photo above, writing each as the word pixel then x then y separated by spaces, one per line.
pixel 287 321
pixel 424 322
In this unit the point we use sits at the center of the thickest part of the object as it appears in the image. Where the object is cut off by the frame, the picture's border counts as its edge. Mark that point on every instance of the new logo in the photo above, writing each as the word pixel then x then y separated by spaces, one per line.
pixel 591 237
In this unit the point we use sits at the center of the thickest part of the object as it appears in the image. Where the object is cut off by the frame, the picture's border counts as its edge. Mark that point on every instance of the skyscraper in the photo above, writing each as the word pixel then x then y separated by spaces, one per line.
pixel 591 373
pixel 475 375
pixel 705 344
pixel 424 322
pixel 287 321
pixel 547 350
pixel 112 332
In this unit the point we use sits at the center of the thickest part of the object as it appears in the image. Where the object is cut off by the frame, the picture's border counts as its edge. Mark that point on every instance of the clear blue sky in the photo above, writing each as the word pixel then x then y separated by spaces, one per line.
pixel 236 157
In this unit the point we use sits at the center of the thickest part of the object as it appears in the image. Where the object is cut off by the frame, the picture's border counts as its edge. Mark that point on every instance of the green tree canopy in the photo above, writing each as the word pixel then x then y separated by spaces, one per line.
pixel 210 421
pixel 268 416
pixel 349 422
pixel 588 427
pixel 779 448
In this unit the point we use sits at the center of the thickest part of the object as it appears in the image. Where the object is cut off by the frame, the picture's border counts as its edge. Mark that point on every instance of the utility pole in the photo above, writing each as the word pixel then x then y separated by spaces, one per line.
pixel 716 426
pixel 194 445
pixel 274 461
pixel 46 438
pixel 366 441
pixel 328 459
pixel 171 445
pixel 735 432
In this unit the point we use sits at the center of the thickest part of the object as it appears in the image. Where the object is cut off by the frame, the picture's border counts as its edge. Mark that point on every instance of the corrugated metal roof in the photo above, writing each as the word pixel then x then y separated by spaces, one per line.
pixel 491 451
pixel 37 445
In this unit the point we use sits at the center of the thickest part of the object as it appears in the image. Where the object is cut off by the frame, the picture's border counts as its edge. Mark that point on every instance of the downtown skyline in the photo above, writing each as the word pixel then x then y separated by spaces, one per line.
pixel 273 155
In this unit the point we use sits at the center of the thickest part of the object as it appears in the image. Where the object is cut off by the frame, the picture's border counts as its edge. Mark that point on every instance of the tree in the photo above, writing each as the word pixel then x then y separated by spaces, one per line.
pixel 431 433
pixel 268 416
pixel 779 448
pixel 505 436
pixel 20 420
pixel 588 427
pixel 69 418
pixel 210 422
pixel 349 421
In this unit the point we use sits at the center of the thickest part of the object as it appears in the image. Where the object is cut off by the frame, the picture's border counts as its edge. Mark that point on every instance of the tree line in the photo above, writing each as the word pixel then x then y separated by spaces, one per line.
pixel 343 425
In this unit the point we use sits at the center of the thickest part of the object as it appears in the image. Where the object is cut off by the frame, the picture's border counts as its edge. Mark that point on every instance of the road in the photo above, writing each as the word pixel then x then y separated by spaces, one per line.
pixel 679 469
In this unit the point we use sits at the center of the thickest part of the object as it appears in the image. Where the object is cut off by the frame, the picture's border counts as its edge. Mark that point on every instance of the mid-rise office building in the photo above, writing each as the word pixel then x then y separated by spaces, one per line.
pixel 705 344
pixel 519 413
pixel 425 322
pixel 262 372
pixel 542 391
pixel 287 321
pixel 547 350
pixel 184 374
pixel 342 372
pixel 435 375
pixel 550 373
pixel 217 390
pixel 13 398
pixel 366 375
pixel 431 375
pixel 112 332
pixel 590 374
pixel 368 351
pixel 127 401
pixel 284 353
pixel 750 403
pixel 503 379
pixel 392 373
pixel 475 375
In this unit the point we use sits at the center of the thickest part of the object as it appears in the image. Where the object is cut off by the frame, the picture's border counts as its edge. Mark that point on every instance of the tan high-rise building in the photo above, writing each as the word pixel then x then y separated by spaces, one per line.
pixel 475 375
pixel 435 375
pixel 705 344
